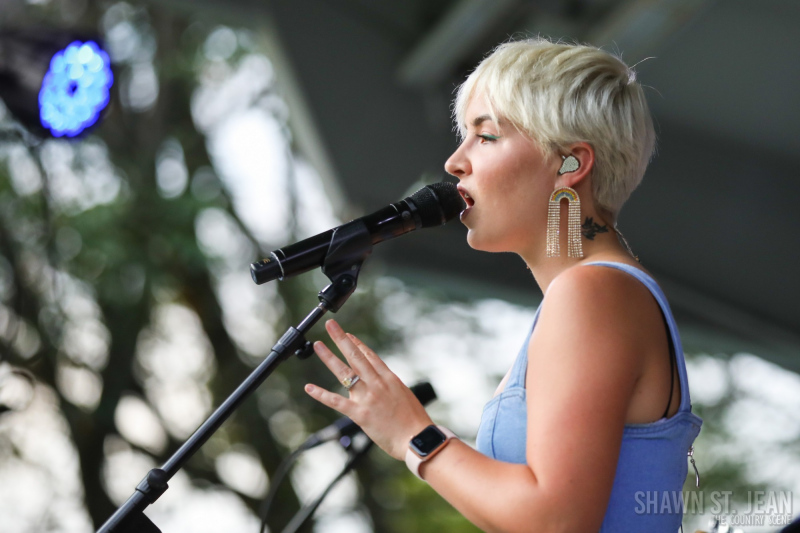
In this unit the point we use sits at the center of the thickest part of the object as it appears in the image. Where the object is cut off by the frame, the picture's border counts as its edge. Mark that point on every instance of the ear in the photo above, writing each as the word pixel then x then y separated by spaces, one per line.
pixel 584 153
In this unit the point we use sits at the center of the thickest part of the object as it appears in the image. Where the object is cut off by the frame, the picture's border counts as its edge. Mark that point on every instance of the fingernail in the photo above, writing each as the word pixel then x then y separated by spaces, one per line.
pixel 309 388
pixel 332 323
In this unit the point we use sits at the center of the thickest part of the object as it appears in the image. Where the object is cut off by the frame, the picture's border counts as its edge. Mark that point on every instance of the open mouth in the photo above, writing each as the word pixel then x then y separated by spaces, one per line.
pixel 467 198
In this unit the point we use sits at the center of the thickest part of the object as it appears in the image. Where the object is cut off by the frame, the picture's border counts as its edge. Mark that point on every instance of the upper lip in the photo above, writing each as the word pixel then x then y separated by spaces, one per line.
pixel 468 199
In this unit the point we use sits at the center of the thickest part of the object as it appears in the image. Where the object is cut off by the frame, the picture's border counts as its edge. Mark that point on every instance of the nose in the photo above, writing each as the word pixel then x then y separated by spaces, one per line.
pixel 457 164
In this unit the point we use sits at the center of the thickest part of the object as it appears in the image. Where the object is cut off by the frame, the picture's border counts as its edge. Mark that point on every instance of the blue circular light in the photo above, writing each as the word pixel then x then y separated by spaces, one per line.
pixel 75 89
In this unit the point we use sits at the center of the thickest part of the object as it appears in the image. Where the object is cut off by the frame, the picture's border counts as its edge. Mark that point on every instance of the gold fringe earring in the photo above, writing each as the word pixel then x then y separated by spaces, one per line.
pixel 574 246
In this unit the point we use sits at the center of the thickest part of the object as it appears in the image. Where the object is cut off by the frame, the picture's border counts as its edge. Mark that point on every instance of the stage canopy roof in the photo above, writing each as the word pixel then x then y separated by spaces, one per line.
pixel 370 85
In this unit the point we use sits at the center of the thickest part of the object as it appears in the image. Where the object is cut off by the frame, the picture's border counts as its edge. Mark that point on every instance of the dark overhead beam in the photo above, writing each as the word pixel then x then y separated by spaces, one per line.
pixel 638 27
pixel 451 41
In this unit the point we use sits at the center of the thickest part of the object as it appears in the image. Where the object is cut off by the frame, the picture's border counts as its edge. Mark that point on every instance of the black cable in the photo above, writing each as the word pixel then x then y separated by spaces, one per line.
pixel 306 512
pixel 280 473
pixel 347 432
pixel 300 518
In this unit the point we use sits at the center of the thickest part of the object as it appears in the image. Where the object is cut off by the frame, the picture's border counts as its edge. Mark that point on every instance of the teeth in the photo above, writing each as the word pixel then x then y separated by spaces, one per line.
pixel 467 195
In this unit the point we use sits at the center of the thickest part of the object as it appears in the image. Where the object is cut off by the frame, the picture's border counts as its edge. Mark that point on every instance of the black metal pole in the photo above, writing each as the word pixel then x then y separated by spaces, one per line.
pixel 349 246
pixel 155 483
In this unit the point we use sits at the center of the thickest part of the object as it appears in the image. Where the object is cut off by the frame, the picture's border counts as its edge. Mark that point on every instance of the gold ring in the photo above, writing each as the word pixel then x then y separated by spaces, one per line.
pixel 348 383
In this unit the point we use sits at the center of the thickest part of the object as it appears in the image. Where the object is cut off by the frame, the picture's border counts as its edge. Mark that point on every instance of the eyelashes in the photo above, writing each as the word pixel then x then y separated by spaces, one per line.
pixel 488 137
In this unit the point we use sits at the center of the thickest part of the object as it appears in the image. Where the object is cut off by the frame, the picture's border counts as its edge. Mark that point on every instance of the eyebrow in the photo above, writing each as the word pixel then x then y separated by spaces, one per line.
pixel 480 120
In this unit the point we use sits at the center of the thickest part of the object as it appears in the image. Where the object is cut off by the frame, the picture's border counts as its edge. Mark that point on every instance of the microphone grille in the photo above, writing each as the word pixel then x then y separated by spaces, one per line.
pixel 438 203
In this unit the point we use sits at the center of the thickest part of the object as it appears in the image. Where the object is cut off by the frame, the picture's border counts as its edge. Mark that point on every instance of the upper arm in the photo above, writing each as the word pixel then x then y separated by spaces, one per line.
pixel 584 359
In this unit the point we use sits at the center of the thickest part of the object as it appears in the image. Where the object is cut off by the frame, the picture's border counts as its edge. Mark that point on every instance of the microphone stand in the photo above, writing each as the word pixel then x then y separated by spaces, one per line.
pixel 350 245
pixel 302 516
pixel 349 436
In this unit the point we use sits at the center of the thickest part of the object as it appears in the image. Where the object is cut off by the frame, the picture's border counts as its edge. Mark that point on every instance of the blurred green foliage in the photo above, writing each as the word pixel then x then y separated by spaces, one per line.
pixel 136 250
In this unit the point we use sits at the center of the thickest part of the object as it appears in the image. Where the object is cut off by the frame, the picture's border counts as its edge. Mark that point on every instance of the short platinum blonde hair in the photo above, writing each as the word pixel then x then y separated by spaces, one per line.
pixel 558 94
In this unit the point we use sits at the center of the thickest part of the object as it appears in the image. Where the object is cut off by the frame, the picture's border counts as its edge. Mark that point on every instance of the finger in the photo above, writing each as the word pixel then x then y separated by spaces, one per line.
pixel 376 361
pixel 330 399
pixel 334 364
pixel 357 360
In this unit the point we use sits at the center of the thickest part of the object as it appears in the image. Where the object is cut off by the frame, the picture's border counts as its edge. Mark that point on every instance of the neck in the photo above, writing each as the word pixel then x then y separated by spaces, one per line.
pixel 602 246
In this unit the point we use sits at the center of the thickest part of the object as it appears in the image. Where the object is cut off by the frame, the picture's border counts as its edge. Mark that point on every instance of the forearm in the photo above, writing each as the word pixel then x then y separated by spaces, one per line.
pixel 495 496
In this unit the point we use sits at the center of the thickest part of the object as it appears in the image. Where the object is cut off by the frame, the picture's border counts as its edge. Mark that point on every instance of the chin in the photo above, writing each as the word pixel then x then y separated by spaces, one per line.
pixel 484 243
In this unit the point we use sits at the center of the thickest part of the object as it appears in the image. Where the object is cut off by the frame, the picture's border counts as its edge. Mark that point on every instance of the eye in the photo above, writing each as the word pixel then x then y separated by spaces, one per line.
pixel 487 137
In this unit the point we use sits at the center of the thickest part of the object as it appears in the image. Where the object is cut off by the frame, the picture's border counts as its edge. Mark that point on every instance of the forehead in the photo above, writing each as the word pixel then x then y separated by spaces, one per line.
pixel 479 111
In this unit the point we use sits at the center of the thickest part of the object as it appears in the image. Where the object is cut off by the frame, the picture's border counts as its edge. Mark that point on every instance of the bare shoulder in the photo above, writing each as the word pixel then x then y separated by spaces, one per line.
pixel 598 322
pixel 585 358
pixel 597 293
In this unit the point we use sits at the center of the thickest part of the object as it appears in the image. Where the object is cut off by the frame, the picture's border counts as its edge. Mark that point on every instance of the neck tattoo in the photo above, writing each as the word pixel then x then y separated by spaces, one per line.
pixel 590 228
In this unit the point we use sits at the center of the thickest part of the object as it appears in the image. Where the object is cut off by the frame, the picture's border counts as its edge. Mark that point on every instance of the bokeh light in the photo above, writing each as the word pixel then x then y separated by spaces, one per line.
pixel 75 89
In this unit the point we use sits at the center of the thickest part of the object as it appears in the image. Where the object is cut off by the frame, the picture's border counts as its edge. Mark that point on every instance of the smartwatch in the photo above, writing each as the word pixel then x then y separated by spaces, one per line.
pixel 425 445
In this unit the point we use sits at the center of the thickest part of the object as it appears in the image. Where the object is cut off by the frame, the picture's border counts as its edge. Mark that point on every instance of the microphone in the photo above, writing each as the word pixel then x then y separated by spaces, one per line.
pixel 345 427
pixel 432 205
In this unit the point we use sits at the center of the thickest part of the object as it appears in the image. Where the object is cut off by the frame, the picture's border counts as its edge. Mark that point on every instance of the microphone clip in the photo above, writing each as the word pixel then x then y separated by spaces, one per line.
pixel 350 246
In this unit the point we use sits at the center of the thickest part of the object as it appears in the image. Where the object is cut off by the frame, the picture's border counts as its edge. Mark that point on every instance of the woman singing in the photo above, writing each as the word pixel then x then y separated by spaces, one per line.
pixel 590 428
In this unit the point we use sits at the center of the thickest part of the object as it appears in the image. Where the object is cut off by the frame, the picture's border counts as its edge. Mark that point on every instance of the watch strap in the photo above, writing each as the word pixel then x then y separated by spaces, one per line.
pixel 413 461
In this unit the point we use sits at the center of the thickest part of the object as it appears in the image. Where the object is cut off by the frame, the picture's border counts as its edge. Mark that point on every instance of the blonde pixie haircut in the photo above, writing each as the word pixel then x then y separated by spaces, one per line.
pixel 559 94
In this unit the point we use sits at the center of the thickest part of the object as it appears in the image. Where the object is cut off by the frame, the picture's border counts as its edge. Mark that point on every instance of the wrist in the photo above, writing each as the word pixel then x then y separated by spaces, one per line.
pixel 417 427
pixel 425 445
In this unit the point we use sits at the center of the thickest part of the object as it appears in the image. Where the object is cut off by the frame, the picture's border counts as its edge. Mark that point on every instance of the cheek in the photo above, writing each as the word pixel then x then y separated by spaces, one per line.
pixel 527 201
pixel 509 182
pixel 523 188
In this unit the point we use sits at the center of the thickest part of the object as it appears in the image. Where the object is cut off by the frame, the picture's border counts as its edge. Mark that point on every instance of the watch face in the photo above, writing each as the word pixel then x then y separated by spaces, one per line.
pixel 427 441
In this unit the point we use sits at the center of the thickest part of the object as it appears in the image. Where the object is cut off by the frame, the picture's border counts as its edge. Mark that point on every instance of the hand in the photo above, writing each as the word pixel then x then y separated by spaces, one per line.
pixel 379 402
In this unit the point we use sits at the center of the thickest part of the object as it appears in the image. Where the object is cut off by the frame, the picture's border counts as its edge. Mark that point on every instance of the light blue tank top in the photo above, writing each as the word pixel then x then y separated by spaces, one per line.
pixel 652 466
